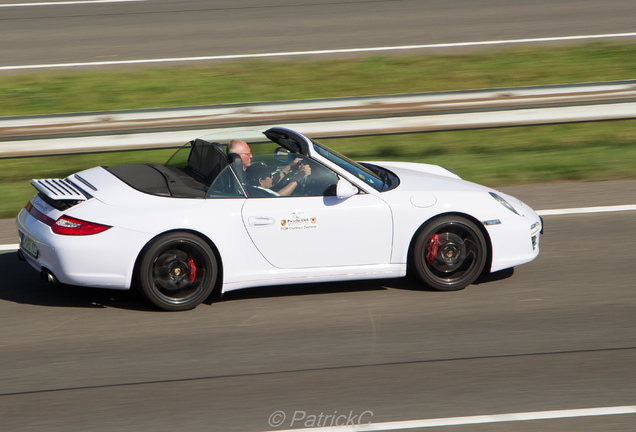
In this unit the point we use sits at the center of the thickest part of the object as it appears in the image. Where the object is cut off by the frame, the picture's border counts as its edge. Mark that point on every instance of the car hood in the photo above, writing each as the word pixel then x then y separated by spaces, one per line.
pixel 420 177
pixel 417 179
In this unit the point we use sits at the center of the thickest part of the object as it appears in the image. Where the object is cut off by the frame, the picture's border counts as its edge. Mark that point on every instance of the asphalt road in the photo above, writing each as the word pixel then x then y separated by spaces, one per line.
pixel 558 333
pixel 189 28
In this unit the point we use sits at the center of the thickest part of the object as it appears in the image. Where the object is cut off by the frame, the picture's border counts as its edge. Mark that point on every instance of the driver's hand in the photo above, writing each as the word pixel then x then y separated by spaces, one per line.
pixel 296 163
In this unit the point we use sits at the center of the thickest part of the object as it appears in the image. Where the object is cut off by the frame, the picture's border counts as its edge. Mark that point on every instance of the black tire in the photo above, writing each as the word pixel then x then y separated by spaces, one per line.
pixel 177 271
pixel 449 253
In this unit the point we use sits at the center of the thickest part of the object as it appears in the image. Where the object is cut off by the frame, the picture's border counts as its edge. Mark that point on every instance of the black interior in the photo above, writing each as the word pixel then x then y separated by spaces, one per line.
pixel 205 162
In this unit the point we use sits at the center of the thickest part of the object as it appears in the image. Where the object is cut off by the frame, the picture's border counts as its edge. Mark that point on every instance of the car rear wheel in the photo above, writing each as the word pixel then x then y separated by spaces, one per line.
pixel 177 271
pixel 449 253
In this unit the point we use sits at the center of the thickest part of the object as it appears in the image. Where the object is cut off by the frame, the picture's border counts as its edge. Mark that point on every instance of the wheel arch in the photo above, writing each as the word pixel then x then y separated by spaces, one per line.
pixel 219 262
pixel 482 228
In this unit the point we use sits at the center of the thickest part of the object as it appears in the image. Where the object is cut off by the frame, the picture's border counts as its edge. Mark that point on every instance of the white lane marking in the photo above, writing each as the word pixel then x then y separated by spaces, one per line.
pixel 319 52
pixel 64 3
pixel 482 419
pixel 586 210
pixel 555 212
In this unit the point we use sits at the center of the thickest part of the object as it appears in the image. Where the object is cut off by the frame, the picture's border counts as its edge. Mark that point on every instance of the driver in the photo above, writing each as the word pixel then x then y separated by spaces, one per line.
pixel 261 177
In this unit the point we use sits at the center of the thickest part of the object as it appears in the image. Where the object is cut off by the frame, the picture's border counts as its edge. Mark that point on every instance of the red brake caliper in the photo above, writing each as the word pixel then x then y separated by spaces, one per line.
pixel 193 269
pixel 431 251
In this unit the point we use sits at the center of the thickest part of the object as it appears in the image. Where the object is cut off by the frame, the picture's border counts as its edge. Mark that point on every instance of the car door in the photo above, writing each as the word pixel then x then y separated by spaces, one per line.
pixel 320 231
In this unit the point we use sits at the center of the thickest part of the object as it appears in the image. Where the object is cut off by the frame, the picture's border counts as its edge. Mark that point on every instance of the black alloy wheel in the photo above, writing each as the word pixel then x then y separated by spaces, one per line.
pixel 177 271
pixel 449 253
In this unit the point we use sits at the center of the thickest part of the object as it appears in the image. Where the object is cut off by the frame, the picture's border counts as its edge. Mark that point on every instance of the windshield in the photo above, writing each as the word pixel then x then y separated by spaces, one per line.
pixel 377 179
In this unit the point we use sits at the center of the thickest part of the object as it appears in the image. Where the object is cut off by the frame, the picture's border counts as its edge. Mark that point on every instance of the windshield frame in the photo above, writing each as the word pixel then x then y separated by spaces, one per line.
pixel 359 171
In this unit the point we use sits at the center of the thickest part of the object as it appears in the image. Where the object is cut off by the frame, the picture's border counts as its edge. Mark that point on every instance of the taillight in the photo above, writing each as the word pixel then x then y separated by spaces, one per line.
pixel 38 214
pixel 66 225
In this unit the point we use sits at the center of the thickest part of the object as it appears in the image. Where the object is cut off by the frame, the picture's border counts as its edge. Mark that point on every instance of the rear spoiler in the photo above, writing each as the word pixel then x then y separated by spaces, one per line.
pixel 59 189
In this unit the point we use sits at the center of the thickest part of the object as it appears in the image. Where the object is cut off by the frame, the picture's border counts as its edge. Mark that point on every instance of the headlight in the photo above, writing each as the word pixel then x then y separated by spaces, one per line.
pixel 504 203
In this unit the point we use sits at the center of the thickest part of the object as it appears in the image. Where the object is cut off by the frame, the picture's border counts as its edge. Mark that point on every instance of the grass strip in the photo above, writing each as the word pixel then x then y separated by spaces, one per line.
pixel 262 80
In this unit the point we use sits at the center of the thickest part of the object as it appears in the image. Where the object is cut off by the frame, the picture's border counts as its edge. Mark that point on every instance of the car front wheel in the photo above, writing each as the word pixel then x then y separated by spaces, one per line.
pixel 449 253
pixel 177 271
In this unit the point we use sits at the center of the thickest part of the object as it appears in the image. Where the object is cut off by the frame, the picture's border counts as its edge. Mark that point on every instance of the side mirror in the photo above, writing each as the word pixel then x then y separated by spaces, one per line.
pixel 345 190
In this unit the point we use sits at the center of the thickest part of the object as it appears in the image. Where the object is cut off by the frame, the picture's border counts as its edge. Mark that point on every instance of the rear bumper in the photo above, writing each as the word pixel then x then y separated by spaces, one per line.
pixel 104 260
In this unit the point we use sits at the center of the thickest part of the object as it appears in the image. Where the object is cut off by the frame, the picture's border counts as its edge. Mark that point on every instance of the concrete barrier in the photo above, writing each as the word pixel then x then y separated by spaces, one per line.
pixel 320 118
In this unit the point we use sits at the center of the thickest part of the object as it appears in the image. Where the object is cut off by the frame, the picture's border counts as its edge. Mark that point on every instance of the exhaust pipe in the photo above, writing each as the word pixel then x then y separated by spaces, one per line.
pixel 21 255
pixel 46 275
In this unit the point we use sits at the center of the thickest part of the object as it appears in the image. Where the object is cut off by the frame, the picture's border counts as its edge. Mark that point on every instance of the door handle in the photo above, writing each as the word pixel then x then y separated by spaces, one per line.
pixel 260 221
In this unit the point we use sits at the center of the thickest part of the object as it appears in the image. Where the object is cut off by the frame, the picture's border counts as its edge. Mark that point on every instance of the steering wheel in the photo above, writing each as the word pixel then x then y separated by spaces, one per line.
pixel 303 184
pixel 299 190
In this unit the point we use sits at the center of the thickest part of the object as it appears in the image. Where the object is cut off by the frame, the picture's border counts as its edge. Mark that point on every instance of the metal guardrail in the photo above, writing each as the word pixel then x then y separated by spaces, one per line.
pixel 320 118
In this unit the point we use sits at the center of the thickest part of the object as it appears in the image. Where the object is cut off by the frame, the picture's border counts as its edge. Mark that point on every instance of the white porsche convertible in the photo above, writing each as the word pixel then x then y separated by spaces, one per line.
pixel 282 209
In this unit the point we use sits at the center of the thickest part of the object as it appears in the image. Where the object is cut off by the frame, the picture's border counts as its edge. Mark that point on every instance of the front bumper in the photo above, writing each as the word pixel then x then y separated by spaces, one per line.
pixel 515 241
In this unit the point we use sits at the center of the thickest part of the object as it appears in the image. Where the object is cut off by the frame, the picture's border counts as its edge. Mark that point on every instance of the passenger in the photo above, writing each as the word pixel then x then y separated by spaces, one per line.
pixel 261 177
pixel 242 149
